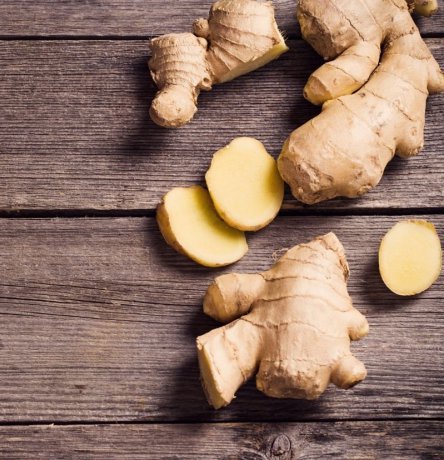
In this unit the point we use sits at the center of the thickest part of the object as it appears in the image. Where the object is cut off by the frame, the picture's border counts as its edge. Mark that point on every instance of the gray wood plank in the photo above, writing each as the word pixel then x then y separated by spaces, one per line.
pixel 130 17
pixel 75 132
pixel 114 17
pixel 99 319
pixel 283 441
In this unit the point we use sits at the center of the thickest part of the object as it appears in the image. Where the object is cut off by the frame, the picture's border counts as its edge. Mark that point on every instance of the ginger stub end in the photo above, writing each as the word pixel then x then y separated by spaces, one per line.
pixel 190 224
pixel 410 257
pixel 209 384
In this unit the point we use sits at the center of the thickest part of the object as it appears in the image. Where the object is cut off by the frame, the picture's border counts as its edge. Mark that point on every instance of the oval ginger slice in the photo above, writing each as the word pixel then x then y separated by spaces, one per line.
pixel 410 257
pixel 245 185
pixel 190 224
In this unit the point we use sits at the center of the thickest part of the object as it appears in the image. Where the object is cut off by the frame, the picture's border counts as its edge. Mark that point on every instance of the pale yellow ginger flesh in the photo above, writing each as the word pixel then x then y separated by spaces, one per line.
pixel 190 224
pixel 245 185
pixel 424 7
pixel 238 37
pixel 291 326
pixel 375 51
pixel 410 257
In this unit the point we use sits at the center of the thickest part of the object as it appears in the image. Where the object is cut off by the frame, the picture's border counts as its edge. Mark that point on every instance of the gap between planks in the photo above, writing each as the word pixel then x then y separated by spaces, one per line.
pixel 285 211
pixel 98 422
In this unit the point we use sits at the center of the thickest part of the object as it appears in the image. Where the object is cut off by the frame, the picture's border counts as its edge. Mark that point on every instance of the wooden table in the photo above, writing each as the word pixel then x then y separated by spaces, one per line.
pixel 99 316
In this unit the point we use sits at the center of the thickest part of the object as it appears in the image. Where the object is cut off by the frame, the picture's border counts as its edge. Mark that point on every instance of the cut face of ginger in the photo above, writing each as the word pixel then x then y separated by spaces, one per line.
pixel 410 257
pixel 190 224
pixel 245 185
pixel 248 67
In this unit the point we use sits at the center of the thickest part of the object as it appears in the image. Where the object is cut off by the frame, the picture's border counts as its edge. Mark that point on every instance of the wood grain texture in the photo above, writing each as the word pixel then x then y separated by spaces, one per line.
pixel 283 441
pixel 75 132
pixel 131 17
pixel 99 319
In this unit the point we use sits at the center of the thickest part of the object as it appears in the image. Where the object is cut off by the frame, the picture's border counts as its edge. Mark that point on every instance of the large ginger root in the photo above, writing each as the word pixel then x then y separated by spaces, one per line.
pixel 190 224
pixel 410 257
pixel 238 37
pixel 294 328
pixel 245 185
pixel 345 149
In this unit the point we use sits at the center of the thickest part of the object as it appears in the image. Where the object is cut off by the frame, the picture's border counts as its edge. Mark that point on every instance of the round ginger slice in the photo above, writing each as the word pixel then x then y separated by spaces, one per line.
pixel 410 257
pixel 245 185
pixel 190 224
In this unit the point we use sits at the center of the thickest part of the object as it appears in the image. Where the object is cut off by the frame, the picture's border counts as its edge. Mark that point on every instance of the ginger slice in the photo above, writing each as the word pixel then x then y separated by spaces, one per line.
pixel 410 257
pixel 424 7
pixel 190 224
pixel 245 185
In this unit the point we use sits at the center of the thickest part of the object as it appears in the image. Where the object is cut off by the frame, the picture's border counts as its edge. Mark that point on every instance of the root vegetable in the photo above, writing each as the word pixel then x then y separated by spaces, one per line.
pixel 345 149
pixel 410 257
pixel 238 37
pixel 294 326
pixel 245 185
pixel 189 223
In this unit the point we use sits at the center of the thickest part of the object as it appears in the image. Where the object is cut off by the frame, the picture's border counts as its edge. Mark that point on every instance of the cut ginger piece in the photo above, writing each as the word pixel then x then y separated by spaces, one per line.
pixel 410 257
pixel 190 224
pixel 245 185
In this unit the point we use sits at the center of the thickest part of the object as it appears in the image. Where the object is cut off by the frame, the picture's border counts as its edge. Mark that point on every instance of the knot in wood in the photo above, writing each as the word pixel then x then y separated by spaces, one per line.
pixel 281 447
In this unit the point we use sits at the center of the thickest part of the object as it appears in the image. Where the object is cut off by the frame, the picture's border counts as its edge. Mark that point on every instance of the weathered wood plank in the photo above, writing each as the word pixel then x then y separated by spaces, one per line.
pixel 75 131
pixel 283 441
pixel 99 319
pixel 114 17
pixel 130 18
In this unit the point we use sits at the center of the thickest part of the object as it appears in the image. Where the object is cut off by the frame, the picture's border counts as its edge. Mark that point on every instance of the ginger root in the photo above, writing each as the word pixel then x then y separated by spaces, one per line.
pixel 345 149
pixel 190 224
pixel 238 37
pixel 410 257
pixel 245 185
pixel 293 331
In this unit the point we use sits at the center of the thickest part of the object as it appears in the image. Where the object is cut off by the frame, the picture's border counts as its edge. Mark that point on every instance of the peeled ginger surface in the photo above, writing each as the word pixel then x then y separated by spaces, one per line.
pixel 190 224
pixel 410 257
pixel 245 185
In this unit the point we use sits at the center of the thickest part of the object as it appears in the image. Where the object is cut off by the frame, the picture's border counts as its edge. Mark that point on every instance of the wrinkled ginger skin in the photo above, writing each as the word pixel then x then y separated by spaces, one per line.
pixel 180 76
pixel 238 37
pixel 295 322
pixel 345 149
pixel 239 33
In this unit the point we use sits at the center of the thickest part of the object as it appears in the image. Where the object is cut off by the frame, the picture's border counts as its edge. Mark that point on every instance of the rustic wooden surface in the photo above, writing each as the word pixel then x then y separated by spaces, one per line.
pixel 135 18
pixel 78 135
pixel 99 316
pixel 246 441
pixel 101 319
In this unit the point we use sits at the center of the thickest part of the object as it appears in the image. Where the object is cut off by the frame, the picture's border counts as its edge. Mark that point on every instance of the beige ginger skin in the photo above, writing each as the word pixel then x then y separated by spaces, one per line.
pixel 345 149
pixel 291 327
pixel 238 37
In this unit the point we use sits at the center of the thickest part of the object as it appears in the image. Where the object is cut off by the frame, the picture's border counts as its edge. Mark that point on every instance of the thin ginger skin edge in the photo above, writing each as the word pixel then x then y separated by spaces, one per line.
pixel 290 325
pixel 345 149
pixel 238 37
